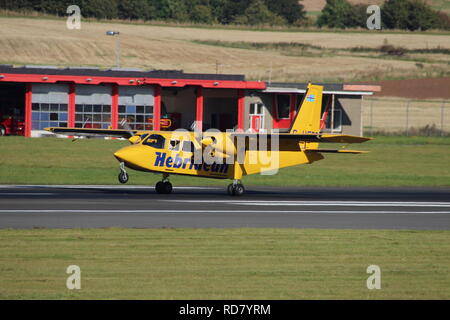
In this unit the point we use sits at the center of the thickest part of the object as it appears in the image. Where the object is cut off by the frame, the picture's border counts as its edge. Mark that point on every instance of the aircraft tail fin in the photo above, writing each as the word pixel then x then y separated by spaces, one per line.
pixel 307 120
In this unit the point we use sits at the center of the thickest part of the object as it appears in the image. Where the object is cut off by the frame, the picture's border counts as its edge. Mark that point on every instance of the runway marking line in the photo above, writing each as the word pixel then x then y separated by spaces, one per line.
pixel 220 211
pixel 320 203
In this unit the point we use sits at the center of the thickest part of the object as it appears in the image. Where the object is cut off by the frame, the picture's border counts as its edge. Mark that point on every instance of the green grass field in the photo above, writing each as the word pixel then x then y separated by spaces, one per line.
pixel 224 264
pixel 392 161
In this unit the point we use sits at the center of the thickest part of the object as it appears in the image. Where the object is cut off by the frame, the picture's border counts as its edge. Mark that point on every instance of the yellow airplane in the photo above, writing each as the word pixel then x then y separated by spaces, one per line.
pixel 223 155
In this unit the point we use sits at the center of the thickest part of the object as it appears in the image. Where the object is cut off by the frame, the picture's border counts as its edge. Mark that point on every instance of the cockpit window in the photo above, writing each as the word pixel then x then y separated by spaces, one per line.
pixel 155 141
pixel 141 138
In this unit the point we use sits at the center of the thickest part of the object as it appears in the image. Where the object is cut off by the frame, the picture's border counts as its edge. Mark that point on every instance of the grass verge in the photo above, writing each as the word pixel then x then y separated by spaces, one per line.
pixel 224 264
pixel 392 161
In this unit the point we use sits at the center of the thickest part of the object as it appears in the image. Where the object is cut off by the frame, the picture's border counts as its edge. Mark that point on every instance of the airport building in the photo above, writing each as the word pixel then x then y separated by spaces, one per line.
pixel 37 97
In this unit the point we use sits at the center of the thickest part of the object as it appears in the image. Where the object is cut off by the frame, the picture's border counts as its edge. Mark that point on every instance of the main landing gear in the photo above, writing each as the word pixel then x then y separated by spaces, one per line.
pixel 123 175
pixel 164 186
pixel 236 189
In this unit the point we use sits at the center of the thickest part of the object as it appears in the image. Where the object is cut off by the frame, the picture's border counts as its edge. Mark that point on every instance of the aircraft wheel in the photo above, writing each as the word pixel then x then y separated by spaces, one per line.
pixel 230 189
pixel 159 187
pixel 167 187
pixel 239 190
pixel 164 187
pixel 123 177
pixel 236 190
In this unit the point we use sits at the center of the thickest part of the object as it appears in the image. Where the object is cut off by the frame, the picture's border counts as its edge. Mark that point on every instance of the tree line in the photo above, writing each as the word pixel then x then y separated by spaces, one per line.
pixel 253 12
pixel 396 14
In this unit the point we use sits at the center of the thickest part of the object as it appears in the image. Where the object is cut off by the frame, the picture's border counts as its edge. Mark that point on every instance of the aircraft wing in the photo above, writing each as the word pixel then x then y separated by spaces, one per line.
pixel 90 132
pixel 322 137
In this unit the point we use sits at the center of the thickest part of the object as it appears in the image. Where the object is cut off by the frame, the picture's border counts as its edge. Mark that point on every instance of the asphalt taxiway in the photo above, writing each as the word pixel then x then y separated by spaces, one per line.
pixel 211 207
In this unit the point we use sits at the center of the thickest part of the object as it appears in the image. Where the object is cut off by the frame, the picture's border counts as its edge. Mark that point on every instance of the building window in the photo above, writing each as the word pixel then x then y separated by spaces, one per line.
pixel 137 117
pixel 334 124
pixel 46 115
pixel 283 106
pixel 96 116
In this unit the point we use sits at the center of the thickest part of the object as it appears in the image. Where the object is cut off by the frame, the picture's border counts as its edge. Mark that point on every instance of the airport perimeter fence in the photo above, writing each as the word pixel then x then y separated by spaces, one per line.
pixel 396 116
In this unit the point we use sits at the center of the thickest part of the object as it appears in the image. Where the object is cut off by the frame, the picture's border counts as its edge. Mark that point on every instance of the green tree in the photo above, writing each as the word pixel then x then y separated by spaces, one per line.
pixel 232 9
pixel 336 14
pixel 201 14
pixel 135 9
pixel 409 14
pixel 100 9
pixel 258 14
pixel 292 10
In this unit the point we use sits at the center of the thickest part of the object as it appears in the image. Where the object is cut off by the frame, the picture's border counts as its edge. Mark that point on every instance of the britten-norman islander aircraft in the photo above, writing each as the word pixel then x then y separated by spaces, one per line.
pixel 223 155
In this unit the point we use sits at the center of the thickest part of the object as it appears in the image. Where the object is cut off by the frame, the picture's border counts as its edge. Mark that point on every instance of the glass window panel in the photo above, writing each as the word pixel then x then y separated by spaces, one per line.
pixel 283 106
pixel 97 108
pixel 121 109
pixel 54 107
pixel 45 116
pixel 63 124
pixel 53 116
pixel 106 118
pixel 63 116
pixel 131 109
pixel 54 124
pixel 139 118
pixel 140 109
pixel 44 124
pixel 45 107
pixel 35 116
pixel 35 125
pixel 78 125
pixel 78 117
pixel 88 108
pixel 63 107
pixel 129 119
pixel 35 106
pixel 97 117
pixel 107 109
pixel 79 108
pixel 149 109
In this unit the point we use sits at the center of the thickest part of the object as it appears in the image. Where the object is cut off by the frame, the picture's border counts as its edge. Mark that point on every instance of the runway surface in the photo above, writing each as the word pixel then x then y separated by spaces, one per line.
pixel 211 207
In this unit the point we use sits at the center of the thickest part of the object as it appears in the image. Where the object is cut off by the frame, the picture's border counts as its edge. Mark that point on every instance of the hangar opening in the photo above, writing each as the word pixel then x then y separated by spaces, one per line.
pixel 12 108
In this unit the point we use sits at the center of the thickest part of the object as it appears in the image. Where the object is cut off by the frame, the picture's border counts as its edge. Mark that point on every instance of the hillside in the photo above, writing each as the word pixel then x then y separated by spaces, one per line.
pixel 283 56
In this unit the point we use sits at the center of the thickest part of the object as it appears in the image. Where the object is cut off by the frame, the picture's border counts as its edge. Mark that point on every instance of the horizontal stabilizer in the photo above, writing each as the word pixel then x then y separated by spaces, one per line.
pixel 93 132
pixel 336 151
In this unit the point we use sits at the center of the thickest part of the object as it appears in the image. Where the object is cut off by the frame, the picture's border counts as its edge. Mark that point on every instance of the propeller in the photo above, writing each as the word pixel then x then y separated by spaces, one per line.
pixel 124 123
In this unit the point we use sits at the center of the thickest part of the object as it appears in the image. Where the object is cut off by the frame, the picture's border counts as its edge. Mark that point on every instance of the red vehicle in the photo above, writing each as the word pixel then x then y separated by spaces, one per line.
pixel 11 126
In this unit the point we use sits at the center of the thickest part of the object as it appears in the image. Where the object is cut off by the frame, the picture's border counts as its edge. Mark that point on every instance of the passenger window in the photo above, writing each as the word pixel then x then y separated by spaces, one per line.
pixel 174 145
pixel 155 141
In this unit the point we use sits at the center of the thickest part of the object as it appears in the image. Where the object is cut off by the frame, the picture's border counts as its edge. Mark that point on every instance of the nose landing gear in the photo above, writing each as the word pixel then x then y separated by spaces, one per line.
pixel 236 189
pixel 164 186
pixel 123 175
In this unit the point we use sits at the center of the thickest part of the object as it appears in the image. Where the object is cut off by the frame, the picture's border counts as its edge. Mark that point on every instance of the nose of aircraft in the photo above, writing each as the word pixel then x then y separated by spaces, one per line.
pixel 127 155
